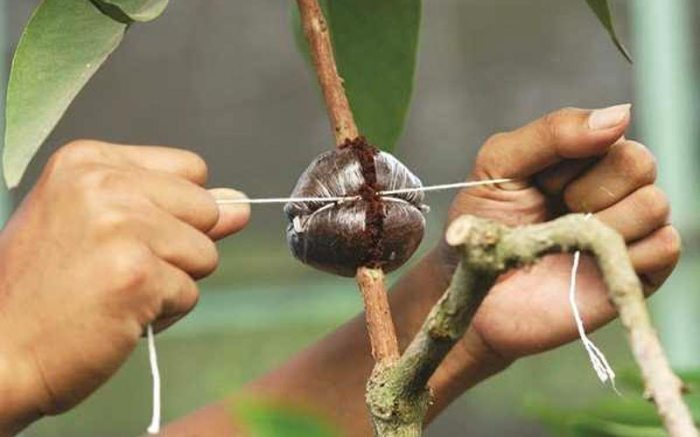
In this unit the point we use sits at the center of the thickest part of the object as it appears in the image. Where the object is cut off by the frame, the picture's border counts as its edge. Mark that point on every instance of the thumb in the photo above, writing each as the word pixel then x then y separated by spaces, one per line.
pixel 232 216
pixel 565 134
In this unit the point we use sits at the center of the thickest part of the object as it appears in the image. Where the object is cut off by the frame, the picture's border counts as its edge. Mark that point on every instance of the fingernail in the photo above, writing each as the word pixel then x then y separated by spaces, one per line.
pixel 230 194
pixel 608 117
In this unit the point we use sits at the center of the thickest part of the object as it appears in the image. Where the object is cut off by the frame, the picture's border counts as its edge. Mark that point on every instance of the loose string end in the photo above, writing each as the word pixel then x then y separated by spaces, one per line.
pixel 154 427
pixel 600 364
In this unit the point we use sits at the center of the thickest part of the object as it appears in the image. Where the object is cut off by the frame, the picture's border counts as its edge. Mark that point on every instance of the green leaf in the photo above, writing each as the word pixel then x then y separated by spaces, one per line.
pixel 268 419
pixel 599 428
pixel 138 10
pixel 628 416
pixel 375 44
pixel 602 10
pixel 63 45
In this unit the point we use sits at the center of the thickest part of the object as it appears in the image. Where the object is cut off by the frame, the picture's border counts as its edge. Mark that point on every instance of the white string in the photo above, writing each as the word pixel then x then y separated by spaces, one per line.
pixel 154 427
pixel 381 193
pixel 598 361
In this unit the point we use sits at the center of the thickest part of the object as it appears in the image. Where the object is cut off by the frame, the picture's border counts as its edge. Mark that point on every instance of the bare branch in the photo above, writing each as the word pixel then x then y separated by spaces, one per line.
pixel 318 37
pixel 382 335
pixel 398 397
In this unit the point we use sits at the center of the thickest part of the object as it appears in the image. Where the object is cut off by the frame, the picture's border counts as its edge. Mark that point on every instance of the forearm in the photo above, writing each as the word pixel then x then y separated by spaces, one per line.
pixel 330 376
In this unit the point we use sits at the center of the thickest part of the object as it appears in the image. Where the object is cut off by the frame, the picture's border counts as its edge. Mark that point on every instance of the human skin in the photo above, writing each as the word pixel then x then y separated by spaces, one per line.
pixel 572 160
pixel 110 239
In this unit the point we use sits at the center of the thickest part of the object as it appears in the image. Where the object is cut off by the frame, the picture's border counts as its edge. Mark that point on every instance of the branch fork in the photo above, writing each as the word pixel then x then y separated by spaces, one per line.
pixel 488 249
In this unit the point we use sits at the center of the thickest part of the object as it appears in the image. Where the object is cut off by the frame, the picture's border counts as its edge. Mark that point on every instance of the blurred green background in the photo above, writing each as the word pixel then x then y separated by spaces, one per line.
pixel 224 78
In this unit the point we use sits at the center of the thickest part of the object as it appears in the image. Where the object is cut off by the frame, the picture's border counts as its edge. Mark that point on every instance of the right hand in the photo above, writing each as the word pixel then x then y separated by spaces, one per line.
pixel 110 239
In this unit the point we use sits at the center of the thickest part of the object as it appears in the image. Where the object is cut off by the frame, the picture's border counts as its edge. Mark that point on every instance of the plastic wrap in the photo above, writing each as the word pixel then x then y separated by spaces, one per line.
pixel 369 230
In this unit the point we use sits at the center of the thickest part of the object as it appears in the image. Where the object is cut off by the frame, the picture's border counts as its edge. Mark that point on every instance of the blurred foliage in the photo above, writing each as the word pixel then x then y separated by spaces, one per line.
pixel 629 415
pixel 268 419
pixel 375 45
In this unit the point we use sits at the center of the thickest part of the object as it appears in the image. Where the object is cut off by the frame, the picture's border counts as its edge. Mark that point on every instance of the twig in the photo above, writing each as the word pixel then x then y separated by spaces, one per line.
pixel 382 335
pixel 318 37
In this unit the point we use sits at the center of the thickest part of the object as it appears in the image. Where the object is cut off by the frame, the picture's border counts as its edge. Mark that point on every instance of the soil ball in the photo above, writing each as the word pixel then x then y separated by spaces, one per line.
pixel 371 230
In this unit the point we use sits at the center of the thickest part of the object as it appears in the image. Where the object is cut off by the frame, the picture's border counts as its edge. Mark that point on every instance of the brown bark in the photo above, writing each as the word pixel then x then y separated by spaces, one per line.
pixel 382 335
pixel 319 39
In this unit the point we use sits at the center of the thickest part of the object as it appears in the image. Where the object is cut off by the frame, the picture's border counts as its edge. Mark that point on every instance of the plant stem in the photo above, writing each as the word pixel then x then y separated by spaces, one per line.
pixel 380 327
pixel 382 335
pixel 318 37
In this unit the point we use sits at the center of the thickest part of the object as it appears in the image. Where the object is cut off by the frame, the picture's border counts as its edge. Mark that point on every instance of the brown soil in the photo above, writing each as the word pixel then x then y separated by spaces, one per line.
pixel 374 214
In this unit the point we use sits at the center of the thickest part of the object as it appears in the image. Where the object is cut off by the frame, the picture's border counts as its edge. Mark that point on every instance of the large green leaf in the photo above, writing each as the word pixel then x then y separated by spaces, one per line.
pixel 602 10
pixel 375 44
pixel 63 45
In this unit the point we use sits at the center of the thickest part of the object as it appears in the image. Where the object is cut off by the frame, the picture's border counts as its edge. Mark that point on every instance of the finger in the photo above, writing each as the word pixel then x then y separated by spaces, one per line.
pixel 179 244
pixel 179 295
pixel 625 168
pixel 232 217
pixel 638 214
pixel 565 134
pixel 181 198
pixel 656 252
pixel 553 180
pixel 178 162
pixel 652 281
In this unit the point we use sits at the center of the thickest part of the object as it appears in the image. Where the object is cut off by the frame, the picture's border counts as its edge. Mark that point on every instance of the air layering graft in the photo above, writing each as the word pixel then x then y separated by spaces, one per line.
pixel 370 230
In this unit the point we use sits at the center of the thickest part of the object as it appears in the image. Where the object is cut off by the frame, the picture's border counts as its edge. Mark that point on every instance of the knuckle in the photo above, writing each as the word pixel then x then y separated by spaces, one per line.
pixel 654 203
pixel 635 160
pixel 131 267
pixel 75 153
pixel 98 179
pixel 556 126
pixel 487 156
pixel 209 213
pixel 190 297
pixel 197 166
pixel 671 244
pixel 551 125
pixel 110 220
pixel 209 257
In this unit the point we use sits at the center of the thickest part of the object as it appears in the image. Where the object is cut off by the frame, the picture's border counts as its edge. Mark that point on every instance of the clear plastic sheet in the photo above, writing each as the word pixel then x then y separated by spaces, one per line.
pixel 340 237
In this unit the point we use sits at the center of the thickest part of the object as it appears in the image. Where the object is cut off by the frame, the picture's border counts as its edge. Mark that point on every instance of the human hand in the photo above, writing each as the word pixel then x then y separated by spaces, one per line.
pixel 110 239
pixel 570 161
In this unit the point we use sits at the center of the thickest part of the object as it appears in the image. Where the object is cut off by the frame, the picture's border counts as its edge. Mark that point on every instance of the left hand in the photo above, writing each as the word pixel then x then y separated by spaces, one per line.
pixel 572 160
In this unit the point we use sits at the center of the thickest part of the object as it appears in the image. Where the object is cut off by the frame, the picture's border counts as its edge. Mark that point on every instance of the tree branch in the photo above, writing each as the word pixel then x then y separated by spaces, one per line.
pixel 398 395
pixel 318 37
pixel 382 335
pixel 380 327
